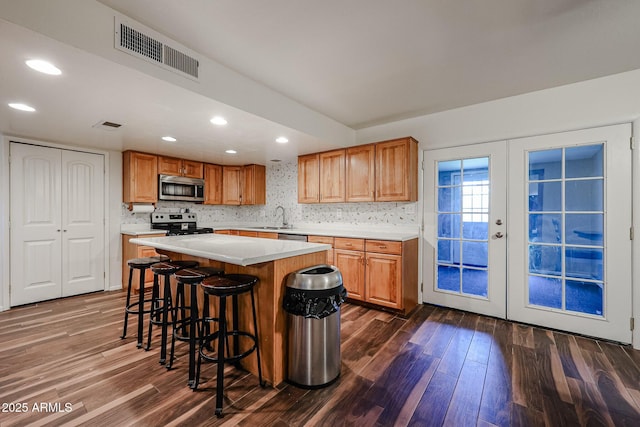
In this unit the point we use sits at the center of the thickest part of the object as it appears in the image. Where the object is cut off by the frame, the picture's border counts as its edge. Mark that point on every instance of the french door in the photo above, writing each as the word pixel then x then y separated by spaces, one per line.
pixel 561 257
pixel 569 242
pixel 465 228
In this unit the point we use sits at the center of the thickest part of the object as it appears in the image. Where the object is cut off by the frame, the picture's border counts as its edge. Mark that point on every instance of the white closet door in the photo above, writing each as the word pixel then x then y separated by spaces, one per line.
pixel 82 222
pixel 57 223
pixel 36 224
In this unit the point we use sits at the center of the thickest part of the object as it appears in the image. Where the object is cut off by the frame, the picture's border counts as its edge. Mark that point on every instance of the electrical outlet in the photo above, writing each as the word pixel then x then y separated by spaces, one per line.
pixel 339 213
pixel 410 208
pixel 263 213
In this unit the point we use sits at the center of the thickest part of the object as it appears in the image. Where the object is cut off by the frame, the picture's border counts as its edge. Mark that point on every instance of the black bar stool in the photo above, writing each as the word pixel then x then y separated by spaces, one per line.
pixel 193 277
pixel 230 285
pixel 137 308
pixel 160 307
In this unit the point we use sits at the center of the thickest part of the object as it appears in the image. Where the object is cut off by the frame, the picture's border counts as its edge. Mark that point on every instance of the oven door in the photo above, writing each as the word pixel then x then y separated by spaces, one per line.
pixel 180 188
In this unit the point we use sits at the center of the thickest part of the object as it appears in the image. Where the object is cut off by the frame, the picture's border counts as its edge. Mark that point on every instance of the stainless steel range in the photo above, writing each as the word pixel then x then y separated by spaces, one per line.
pixel 177 224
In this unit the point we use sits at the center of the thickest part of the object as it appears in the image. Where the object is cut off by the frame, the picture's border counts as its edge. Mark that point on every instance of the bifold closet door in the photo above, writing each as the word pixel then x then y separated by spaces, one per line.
pixel 57 223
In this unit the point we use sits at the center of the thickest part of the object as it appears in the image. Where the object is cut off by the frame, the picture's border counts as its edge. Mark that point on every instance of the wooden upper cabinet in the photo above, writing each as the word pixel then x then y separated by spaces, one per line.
pixel 254 185
pixel 212 184
pixel 360 172
pixel 192 169
pixel 231 185
pixel 332 176
pixel 244 185
pixel 397 170
pixel 308 179
pixel 180 167
pixel 169 166
pixel 384 172
pixel 140 177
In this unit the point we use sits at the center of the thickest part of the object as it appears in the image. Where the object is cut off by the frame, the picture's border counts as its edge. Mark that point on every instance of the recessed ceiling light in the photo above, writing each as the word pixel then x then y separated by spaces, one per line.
pixel 169 139
pixel 217 120
pixel 231 151
pixel 21 107
pixel 44 67
pixel 282 140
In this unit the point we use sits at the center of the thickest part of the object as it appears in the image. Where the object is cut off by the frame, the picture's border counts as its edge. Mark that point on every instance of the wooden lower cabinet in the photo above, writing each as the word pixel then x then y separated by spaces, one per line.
pixel 326 240
pixel 384 273
pixel 351 266
pixel 130 251
pixel 248 233
pixel 267 235
pixel 384 279
pixel 229 232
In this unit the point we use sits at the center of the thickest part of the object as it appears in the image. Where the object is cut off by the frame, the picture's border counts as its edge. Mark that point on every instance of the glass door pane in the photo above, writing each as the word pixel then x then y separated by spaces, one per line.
pixel 463 216
pixel 565 222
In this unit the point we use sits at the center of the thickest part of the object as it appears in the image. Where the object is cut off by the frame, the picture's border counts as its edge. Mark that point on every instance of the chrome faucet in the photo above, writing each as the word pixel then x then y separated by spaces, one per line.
pixel 284 218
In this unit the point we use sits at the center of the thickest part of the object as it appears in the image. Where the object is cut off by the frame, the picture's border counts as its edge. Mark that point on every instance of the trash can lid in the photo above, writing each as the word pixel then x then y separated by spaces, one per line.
pixel 318 277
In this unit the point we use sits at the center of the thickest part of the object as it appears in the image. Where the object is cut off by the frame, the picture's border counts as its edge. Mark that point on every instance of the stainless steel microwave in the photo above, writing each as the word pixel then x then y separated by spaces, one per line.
pixel 180 188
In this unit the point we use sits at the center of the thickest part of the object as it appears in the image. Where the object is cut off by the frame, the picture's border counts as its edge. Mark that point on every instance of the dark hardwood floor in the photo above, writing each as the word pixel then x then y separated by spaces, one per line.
pixel 439 367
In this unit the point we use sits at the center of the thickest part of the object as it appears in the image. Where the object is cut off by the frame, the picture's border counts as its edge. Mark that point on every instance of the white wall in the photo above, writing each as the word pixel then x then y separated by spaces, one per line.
pixel 604 101
pixel 4 224
pixel 608 100
pixel 114 175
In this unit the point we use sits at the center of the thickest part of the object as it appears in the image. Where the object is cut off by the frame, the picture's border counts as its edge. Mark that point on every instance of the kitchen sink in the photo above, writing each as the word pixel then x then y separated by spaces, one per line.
pixel 270 227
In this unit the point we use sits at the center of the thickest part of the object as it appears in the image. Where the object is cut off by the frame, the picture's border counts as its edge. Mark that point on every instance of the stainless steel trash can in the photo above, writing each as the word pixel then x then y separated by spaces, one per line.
pixel 312 301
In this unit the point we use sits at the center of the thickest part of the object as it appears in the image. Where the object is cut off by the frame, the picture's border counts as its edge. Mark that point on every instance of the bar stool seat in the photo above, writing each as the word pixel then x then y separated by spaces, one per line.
pixel 230 285
pixel 192 277
pixel 137 308
pixel 160 307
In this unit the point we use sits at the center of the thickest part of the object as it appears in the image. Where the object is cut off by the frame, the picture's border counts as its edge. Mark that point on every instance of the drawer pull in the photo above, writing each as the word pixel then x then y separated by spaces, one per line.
pixel 349 244
pixel 383 246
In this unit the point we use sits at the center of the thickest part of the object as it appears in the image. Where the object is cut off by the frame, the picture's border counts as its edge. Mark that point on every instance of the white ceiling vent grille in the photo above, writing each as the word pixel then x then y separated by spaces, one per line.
pixel 107 125
pixel 139 43
pixel 180 61
pixel 137 40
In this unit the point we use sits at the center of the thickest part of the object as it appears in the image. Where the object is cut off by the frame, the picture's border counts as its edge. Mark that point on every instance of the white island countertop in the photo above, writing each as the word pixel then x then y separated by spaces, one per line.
pixel 236 250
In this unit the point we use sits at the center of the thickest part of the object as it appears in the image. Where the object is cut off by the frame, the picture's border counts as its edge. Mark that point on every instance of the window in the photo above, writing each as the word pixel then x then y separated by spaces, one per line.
pixel 475 201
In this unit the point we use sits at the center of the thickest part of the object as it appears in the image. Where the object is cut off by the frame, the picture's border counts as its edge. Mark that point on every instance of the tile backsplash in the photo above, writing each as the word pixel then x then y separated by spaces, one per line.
pixel 282 190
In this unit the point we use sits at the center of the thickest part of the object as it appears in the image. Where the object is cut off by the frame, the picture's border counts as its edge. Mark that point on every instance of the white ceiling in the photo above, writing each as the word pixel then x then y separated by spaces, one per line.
pixel 359 62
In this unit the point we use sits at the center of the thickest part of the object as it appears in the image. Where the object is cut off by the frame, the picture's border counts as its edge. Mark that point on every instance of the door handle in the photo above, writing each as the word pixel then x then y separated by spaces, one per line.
pixel 498 235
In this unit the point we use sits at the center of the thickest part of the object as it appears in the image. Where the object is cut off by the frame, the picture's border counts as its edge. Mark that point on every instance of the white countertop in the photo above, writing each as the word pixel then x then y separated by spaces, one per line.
pixel 379 233
pixel 232 249
pixel 351 233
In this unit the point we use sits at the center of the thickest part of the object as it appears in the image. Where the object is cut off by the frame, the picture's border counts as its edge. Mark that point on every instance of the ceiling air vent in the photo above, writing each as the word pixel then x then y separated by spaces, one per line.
pixel 105 125
pixel 137 40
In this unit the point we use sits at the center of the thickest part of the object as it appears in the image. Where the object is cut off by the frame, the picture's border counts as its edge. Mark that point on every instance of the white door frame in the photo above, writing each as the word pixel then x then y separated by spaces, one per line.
pixel 5 209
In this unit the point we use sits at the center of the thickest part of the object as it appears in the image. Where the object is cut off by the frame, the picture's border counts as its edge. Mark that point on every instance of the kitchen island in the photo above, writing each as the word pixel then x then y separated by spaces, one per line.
pixel 271 261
